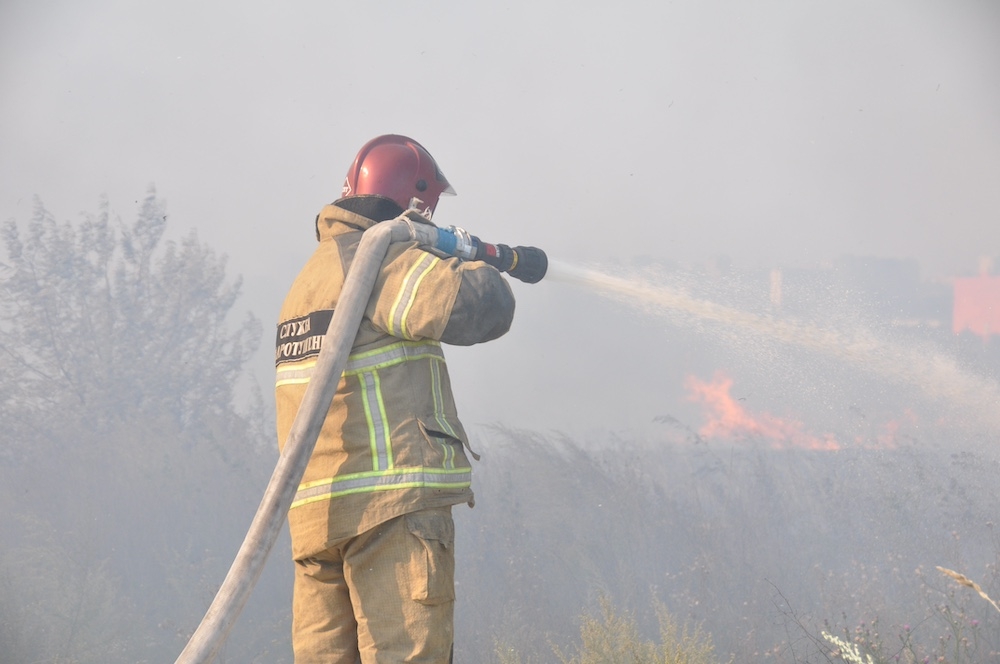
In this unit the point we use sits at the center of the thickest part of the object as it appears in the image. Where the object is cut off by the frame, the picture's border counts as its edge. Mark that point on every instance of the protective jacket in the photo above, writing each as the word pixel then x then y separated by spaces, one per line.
pixel 391 442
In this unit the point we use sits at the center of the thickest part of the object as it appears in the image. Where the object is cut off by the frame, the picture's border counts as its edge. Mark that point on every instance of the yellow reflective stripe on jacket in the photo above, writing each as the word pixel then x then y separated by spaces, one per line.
pixel 299 373
pixel 449 455
pixel 439 415
pixel 378 425
pixel 398 478
pixel 407 295
pixel 396 353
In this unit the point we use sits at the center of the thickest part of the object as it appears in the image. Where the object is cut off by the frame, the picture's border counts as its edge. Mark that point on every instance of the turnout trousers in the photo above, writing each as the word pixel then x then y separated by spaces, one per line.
pixel 384 596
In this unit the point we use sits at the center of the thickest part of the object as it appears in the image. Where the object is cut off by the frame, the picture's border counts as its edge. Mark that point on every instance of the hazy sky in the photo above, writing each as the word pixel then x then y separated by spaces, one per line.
pixel 777 133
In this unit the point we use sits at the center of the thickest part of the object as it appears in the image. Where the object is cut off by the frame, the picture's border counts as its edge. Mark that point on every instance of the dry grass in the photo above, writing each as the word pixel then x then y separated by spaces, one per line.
pixel 614 638
pixel 963 580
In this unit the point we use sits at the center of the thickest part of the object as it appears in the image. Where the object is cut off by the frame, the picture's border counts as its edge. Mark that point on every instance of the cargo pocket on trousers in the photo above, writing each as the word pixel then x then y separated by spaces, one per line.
pixel 432 566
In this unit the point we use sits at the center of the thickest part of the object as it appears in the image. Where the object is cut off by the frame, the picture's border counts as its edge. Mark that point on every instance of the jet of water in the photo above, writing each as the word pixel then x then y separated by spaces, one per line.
pixel 974 399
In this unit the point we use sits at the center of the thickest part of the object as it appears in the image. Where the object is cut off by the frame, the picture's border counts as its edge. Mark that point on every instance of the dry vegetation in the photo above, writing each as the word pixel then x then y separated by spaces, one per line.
pixel 763 549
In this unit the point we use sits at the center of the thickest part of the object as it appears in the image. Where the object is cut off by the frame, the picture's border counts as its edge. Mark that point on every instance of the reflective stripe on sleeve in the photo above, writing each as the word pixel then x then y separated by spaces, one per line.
pixel 407 294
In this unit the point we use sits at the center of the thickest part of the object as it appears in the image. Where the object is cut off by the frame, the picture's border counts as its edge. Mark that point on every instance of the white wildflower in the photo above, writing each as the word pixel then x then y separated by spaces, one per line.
pixel 849 652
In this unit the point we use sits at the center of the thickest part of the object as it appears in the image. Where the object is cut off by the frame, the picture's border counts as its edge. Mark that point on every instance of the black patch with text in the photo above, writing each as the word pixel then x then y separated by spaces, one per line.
pixel 301 338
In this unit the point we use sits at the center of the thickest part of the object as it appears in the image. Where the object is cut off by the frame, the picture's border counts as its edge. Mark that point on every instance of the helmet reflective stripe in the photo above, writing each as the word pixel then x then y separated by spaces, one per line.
pixel 387 480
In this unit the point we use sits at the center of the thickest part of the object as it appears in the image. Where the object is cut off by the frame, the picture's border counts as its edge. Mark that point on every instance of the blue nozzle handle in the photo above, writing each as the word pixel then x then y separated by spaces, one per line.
pixel 528 264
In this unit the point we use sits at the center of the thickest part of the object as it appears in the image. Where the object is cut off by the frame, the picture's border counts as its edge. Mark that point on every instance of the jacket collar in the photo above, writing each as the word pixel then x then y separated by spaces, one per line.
pixel 333 221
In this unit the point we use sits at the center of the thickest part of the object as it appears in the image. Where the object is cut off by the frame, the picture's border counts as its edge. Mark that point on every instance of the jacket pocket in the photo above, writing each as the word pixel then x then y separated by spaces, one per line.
pixel 436 438
pixel 432 565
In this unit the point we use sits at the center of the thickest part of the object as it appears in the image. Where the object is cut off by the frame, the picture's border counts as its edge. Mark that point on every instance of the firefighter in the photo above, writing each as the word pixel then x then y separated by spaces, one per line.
pixel 372 531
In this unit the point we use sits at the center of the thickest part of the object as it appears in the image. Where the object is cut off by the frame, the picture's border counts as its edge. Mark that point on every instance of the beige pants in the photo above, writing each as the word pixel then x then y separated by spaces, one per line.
pixel 385 596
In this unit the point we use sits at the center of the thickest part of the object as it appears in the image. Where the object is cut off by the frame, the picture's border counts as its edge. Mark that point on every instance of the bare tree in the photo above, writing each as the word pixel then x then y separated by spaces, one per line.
pixel 108 321
pixel 119 361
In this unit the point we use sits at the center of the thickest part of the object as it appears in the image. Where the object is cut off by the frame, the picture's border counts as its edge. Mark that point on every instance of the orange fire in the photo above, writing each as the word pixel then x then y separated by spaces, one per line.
pixel 727 418
pixel 894 430
pixel 977 305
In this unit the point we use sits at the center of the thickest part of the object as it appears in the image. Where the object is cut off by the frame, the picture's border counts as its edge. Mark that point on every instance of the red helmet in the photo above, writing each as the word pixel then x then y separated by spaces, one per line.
pixel 399 169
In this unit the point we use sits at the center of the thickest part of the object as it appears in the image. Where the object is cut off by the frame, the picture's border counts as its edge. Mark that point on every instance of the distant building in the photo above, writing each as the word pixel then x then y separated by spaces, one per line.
pixel 977 305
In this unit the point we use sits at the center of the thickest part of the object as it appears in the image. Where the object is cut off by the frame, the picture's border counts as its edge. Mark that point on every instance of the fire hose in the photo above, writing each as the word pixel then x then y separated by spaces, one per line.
pixel 528 264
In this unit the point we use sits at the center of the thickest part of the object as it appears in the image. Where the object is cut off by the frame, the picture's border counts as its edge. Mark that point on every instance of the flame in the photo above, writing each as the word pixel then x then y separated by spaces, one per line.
pixel 894 430
pixel 727 418
pixel 977 305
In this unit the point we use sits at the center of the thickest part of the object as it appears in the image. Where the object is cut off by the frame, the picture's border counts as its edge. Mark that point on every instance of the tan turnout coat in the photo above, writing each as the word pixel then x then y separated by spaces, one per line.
pixel 392 442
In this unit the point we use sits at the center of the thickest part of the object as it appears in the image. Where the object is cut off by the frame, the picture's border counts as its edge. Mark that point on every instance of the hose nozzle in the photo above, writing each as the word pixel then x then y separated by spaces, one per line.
pixel 528 264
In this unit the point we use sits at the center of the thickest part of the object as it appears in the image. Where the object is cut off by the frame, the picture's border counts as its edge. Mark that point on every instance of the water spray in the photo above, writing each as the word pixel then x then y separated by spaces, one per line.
pixel 938 375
